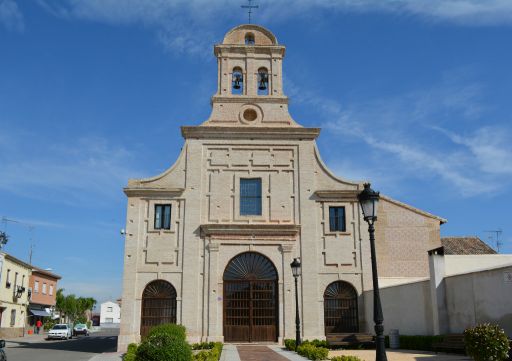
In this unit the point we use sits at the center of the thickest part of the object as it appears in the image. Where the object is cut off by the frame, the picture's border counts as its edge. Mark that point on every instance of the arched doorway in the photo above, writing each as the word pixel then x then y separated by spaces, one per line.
pixel 340 308
pixel 250 299
pixel 158 305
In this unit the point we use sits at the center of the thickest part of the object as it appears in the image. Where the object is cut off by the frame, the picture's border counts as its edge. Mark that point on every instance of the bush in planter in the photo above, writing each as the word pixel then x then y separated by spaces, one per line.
pixel 289 344
pixel 345 358
pixel 486 342
pixel 312 352
pixel 131 353
pixel 212 354
pixel 165 342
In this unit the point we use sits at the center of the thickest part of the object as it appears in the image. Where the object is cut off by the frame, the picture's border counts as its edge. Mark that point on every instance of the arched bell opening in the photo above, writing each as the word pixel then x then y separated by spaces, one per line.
pixel 340 308
pixel 158 305
pixel 263 81
pixel 237 83
pixel 250 299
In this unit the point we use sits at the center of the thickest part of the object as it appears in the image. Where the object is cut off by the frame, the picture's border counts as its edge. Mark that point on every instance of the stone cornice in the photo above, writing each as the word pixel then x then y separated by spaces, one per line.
pixel 220 49
pixel 271 231
pixel 153 192
pixel 249 132
pixel 244 99
pixel 343 195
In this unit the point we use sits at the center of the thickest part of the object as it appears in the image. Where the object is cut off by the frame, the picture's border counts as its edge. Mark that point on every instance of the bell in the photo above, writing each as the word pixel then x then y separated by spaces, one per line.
pixel 263 81
pixel 237 79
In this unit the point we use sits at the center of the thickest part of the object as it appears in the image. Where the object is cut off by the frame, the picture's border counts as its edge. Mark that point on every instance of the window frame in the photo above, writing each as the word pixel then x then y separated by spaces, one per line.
pixel 36 286
pixel 163 207
pixel 43 289
pixel 335 227
pixel 242 208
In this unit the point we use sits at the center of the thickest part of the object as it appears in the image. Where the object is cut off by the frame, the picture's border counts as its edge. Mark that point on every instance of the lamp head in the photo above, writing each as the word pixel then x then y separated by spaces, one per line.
pixel 369 200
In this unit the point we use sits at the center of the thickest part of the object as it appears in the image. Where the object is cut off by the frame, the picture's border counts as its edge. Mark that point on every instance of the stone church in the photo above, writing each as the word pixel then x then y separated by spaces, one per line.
pixel 209 242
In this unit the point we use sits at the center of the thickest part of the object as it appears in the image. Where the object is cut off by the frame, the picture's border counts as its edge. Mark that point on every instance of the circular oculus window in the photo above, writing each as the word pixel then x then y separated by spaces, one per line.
pixel 250 114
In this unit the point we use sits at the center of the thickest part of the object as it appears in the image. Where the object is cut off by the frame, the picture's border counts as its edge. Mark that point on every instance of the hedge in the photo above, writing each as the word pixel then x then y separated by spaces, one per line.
pixel 312 352
pixel 345 358
pixel 210 354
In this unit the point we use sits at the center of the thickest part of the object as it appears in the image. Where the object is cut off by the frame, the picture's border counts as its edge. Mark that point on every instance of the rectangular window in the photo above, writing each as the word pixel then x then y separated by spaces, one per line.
pixel 13 317
pixel 337 219
pixel 109 320
pixel 109 309
pixel 36 287
pixel 162 216
pixel 250 197
pixel 44 288
pixel 51 290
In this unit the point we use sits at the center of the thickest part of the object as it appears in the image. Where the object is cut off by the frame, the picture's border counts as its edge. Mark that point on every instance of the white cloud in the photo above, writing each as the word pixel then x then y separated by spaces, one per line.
pixel 85 170
pixel 191 26
pixel 10 16
pixel 401 130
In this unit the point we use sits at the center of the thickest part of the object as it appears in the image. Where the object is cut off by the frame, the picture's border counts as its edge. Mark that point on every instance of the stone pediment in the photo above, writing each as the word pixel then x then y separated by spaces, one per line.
pixel 284 232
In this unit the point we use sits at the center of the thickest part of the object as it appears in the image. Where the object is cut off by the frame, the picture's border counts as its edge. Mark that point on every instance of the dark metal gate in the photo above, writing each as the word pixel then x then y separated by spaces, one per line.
pixel 340 308
pixel 250 299
pixel 158 305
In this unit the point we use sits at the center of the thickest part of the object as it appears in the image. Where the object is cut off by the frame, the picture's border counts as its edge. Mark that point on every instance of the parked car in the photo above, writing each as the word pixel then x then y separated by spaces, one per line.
pixel 3 357
pixel 80 329
pixel 60 330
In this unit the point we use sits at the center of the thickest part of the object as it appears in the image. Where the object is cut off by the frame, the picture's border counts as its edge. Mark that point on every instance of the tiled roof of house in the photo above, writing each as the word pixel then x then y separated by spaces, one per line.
pixel 465 245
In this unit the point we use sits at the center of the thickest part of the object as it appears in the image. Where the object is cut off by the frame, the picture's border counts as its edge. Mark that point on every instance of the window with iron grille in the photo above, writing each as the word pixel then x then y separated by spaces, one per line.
pixel 337 219
pixel 162 216
pixel 250 196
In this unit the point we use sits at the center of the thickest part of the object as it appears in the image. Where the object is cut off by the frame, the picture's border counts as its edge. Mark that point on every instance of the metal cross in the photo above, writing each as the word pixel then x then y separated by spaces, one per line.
pixel 250 7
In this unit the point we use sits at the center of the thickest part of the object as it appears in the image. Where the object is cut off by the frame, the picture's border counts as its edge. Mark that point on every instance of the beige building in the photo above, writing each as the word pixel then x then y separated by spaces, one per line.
pixel 209 242
pixel 14 297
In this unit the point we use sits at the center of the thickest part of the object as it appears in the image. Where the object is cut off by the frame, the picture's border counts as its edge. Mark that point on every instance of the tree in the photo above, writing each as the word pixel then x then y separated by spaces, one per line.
pixel 59 302
pixel 4 238
pixel 74 308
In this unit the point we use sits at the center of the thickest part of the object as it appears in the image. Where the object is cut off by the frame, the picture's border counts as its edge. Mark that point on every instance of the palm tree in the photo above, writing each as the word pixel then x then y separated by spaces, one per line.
pixel 60 301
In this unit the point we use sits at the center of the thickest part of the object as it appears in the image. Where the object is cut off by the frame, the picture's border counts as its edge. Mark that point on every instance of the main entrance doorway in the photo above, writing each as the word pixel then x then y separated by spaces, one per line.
pixel 250 299
pixel 340 308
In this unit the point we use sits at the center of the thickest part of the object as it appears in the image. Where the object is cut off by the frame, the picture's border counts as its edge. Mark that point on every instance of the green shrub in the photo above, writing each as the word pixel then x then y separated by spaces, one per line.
pixel 345 358
pixel 312 352
pixel 165 342
pixel 421 343
pixel 131 353
pixel 289 344
pixel 169 329
pixel 319 343
pixel 486 342
pixel 212 354
pixel 89 324
pixel 203 345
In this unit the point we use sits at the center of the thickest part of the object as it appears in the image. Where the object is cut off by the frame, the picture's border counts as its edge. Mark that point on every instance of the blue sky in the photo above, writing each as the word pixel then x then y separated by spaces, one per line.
pixel 412 95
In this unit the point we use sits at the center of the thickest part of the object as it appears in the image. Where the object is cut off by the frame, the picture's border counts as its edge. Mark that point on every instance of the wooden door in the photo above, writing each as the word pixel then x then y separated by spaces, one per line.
pixel 250 299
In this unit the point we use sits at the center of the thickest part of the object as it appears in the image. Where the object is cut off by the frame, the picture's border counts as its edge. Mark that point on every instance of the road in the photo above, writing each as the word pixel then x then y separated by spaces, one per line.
pixel 81 348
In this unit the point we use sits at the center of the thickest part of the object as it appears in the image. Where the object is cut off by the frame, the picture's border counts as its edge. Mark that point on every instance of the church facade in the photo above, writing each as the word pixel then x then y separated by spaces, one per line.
pixel 209 242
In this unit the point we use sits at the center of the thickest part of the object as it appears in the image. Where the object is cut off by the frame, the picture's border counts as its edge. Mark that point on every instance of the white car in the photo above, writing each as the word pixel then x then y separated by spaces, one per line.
pixel 60 330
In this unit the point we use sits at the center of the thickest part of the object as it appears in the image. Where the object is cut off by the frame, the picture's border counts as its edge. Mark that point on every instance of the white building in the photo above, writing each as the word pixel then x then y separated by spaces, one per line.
pixel 110 313
pixel 209 242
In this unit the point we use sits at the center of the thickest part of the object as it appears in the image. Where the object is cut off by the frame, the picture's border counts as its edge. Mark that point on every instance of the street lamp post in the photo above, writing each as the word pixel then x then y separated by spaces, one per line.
pixel 369 200
pixel 297 271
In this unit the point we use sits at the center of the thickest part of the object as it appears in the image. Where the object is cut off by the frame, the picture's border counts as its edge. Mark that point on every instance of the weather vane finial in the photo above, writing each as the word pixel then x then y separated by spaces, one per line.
pixel 250 7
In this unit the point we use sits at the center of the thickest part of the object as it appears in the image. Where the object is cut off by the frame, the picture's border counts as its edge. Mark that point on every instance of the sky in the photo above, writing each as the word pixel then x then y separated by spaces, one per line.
pixel 412 95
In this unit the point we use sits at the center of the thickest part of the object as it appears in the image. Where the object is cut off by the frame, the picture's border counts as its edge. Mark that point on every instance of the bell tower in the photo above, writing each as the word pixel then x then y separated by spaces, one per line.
pixel 250 80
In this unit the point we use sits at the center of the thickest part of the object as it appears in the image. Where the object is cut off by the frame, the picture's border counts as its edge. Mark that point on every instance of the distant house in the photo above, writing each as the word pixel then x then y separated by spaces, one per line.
pixel 110 313
pixel 43 290
pixel 14 298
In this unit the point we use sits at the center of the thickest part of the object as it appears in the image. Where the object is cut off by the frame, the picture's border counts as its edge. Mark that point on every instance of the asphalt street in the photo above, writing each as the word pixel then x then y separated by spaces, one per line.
pixel 81 348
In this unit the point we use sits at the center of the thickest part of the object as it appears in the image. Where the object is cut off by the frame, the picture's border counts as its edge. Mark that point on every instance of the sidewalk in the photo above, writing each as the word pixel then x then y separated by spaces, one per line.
pixel 108 356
